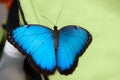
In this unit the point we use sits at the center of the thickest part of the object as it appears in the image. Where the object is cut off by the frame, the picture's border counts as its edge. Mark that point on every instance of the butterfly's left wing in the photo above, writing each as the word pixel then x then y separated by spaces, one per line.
pixel 73 41
pixel 37 43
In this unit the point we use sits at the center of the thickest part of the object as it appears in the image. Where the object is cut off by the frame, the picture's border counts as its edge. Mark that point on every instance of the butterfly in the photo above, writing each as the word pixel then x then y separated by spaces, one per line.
pixel 47 49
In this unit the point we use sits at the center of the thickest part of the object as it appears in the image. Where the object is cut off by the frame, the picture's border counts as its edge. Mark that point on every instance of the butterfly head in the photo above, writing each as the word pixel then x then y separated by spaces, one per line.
pixel 55 27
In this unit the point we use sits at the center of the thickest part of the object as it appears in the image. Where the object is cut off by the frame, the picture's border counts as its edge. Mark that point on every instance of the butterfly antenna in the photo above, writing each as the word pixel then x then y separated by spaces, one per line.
pixel 48 20
pixel 58 16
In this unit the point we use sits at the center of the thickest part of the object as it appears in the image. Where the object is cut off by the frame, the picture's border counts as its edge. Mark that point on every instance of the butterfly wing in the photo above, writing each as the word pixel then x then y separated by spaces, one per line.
pixel 73 41
pixel 37 43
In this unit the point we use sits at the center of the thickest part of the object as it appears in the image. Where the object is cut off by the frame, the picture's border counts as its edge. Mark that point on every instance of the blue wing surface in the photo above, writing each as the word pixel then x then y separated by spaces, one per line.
pixel 37 43
pixel 73 40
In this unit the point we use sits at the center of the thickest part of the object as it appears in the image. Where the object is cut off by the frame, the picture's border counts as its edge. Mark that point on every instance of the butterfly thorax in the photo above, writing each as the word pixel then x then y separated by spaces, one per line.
pixel 55 35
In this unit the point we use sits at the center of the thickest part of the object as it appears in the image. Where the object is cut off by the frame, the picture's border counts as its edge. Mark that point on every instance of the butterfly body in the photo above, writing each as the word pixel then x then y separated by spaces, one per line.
pixel 55 35
pixel 47 49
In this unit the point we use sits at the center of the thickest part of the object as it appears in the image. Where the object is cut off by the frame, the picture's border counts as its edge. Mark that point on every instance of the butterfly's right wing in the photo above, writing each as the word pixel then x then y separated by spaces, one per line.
pixel 37 43
pixel 73 41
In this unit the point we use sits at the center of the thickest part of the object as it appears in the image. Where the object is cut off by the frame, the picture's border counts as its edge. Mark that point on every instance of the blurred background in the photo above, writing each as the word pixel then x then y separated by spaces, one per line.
pixel 100 17
pixel 3 13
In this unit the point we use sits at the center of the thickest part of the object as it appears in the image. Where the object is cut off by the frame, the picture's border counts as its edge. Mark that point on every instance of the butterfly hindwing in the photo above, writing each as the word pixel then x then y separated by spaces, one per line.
pixel 37 43
pixel 73 41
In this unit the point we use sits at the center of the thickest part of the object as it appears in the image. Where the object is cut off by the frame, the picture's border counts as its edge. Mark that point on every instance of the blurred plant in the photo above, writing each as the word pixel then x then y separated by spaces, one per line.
pixel 2 39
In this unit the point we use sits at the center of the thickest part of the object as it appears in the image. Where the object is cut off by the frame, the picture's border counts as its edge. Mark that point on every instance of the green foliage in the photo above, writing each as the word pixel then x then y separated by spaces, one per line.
pixel 100 17
pixel 2 39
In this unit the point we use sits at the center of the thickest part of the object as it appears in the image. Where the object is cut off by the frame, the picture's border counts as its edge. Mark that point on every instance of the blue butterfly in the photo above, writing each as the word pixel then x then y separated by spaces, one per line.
pixel 47 49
